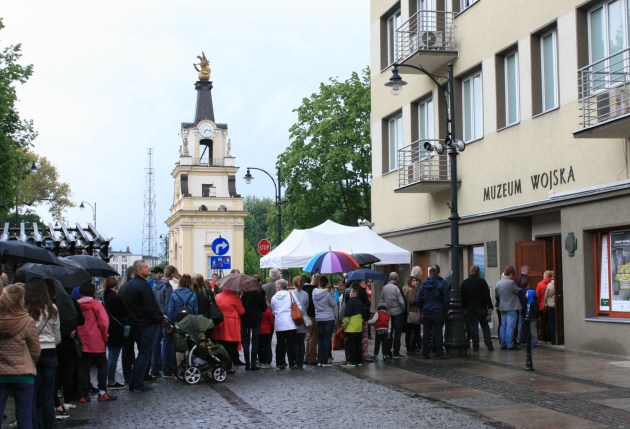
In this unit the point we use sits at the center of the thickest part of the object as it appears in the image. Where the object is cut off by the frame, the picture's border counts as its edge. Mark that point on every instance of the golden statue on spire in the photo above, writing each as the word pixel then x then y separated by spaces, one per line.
pixel 204 71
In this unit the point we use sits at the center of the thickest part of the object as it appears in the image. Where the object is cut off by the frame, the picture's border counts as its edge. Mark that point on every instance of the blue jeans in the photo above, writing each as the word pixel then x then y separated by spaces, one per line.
pixel 145 338
pixel 168 352
pixel 247 334
pixel 113 353
pixel 23 395
pixel 44 390
pixel 397 324
pixel 156 354
pixel 324 340
pixel 506 331
pixel 432 326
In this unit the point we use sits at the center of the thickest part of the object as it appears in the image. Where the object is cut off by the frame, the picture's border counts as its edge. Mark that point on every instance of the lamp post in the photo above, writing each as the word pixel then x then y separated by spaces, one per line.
pixel 455 338
pixel 248 179
pixel 93 207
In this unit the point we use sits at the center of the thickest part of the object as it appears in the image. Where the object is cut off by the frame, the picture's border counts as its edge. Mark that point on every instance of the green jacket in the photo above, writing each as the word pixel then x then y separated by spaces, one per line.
pixel 353 316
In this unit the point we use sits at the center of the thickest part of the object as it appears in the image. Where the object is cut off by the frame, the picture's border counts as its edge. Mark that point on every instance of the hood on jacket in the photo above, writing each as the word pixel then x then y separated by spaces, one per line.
pixel 10 326
pixel 320 296
pixel 430 283
pixel 87 303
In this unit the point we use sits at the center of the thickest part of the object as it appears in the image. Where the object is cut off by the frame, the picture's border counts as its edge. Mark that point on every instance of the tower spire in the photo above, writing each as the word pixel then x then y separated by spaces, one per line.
pixel 204 90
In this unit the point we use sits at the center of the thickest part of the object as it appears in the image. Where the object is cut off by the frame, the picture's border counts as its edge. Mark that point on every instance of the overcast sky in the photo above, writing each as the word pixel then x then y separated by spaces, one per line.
pixel 113 78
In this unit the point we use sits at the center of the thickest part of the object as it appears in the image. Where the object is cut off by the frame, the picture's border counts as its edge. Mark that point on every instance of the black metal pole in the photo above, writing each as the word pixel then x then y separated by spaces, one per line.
pixel 279 207
pixel 529 364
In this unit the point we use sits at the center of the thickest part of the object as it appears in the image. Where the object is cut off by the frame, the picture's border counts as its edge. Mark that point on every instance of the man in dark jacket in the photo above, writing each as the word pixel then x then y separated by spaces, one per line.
pixel 432 301
pixel 477 303
pixel 254 304
pixel 145 318
pixel 310 353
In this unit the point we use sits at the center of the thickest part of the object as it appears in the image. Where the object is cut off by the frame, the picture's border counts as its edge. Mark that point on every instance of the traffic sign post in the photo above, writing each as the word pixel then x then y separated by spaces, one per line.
pixel 220 262
pixel 220 246
pixel 264 247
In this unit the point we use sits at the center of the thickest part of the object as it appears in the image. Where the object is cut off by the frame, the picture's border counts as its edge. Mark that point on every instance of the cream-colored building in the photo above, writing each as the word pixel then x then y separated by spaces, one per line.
pixel 542 103
pixel 206 221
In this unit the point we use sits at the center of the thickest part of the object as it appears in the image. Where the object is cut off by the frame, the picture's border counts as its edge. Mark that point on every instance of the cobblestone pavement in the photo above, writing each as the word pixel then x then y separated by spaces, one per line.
pixel 312 398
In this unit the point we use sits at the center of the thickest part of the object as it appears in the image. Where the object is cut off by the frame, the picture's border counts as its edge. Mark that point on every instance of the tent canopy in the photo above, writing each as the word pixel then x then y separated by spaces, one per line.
pixel 301 244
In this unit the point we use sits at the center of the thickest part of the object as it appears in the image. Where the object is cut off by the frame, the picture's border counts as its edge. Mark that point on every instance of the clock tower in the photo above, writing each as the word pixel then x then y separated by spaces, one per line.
pixel 206 220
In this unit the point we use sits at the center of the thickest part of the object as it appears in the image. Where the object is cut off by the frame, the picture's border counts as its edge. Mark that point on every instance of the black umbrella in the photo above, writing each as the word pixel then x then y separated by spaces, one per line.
pixel 94 266
pixel 365 258
pixel 69 273
pixel 22 251
pixel 365 274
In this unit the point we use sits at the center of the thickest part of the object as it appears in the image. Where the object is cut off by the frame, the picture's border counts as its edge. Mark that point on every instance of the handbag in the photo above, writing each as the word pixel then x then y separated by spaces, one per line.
pixel 337 342
pixel 78 344
pixel 413 317
pixel 296 313
pixel 126 328
pixel 213 310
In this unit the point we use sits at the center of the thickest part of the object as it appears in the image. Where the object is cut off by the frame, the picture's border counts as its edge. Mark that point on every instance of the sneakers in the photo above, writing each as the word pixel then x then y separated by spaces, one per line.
pixel 264 366
pixel 398 356
pixel 115 385
pixel 106 397
pixel 254 368
pixel 62 415
pixel 69 406
pixel 281 367
pixel 348 366
pixel 327 365
pixel 84 400
pixel 368 359
pixel 150 378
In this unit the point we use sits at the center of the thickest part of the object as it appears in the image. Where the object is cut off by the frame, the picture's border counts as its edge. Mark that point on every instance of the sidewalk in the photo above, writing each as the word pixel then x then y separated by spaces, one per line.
pixel 565 390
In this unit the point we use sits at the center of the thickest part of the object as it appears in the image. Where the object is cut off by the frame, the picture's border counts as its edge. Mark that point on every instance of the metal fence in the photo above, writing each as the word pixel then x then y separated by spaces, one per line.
pixel 418 165
pixel 427 30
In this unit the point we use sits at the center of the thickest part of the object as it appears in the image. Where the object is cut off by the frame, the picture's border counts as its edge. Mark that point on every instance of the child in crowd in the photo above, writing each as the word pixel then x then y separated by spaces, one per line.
pixel 353 328
pixel 266 333
pixel 381 321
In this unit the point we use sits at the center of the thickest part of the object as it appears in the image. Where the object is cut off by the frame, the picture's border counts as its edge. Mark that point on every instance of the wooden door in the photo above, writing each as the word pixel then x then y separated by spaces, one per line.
pixel 534 255
pixel 555 263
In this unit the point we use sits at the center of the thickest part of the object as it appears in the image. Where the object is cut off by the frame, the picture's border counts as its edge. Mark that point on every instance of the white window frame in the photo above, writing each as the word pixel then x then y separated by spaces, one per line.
pixel 476 116
pixel 543 82
pixel 426 116
pixel 394 21
pixel 507 81
pixel 465 4
pixel 394 140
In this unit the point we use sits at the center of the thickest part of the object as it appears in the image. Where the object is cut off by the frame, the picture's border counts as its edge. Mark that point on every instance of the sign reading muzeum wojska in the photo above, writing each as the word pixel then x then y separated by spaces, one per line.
pixel 544 180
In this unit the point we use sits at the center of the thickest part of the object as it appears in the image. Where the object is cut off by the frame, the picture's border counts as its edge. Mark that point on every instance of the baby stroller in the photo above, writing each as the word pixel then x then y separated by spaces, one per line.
pixel 201 356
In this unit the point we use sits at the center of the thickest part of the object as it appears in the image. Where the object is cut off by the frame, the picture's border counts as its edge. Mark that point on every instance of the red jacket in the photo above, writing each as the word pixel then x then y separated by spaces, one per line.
pixel 266 325
pixel 232 308
pixel 383 320
pixel 93 332
pixel 540 292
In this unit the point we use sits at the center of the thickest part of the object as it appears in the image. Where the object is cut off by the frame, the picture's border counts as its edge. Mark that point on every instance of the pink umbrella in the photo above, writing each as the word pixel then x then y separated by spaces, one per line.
pixel 332 261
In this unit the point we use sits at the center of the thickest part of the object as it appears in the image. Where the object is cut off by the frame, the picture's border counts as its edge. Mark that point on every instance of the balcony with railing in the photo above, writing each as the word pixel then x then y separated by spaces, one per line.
pixel 421 171
pixel 604 95
pixel 427 39
pixel 205 162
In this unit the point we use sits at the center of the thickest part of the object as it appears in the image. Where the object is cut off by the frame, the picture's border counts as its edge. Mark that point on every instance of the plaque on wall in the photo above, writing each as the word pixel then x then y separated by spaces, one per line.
pixel 491 253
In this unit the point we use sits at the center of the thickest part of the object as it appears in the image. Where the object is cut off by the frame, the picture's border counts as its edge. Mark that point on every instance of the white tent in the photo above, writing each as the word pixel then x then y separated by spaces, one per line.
pixel 302 244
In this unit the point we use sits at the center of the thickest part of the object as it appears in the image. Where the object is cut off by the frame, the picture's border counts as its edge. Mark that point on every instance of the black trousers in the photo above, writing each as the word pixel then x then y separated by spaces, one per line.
pixel 128 357
pixel 265 355
pixel 355 352
pixel 68 370
pixel 285 345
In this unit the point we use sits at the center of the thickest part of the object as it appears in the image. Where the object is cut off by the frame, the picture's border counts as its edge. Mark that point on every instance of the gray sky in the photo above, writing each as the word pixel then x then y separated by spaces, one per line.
pixel 114 78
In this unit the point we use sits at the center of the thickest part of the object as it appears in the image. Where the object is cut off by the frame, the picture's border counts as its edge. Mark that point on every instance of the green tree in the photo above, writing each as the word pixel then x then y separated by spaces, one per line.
pixel 16 134
pixel 327 168
pixel 260 219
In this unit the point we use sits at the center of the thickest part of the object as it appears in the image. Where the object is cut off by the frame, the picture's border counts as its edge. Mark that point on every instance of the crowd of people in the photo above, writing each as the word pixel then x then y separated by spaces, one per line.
pixel 50 338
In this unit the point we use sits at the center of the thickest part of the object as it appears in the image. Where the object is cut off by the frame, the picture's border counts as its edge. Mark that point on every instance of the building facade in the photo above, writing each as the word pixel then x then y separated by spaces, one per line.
pixel 206 221
pixel 542 103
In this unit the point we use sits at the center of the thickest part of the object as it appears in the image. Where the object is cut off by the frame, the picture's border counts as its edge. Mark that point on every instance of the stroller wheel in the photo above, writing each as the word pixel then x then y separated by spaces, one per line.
pixel 192 375
pixel 219 374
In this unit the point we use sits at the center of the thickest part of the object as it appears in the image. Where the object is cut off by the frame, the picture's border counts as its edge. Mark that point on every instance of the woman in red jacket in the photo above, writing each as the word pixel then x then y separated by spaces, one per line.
pixel 540 296
pixel 228 332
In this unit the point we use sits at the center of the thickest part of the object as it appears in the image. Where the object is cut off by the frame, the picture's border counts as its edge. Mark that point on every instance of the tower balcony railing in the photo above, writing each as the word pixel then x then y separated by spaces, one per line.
pixel 422 171
pixel 604 95
pixel 205 162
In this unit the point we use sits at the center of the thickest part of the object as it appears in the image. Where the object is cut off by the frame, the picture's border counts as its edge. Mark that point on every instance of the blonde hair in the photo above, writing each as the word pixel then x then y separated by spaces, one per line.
pixel 548 274
pixel 12 300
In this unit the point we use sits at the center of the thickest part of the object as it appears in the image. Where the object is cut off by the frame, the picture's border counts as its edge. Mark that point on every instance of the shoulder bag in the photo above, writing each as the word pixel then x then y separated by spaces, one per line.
pixel 296 313
pixel 213 309
pixel 126 328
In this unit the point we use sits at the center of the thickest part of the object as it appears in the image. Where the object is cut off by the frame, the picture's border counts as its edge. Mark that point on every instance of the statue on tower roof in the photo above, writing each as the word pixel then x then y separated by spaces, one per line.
pixel 204 71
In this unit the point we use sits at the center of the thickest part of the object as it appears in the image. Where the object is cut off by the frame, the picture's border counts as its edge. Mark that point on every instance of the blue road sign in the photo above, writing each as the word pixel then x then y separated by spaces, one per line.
pixel 220 262
pixel 220 246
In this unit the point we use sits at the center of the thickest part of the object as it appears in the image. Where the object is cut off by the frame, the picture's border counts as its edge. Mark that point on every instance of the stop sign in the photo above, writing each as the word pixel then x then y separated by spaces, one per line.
pixel 264 247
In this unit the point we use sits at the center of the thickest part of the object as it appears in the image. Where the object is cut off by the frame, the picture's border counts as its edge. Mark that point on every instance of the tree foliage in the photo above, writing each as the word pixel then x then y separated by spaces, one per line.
pixel 260 223
pixel 327 167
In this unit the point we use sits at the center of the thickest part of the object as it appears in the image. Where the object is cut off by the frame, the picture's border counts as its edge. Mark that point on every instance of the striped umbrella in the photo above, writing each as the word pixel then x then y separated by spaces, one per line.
pixel 332 261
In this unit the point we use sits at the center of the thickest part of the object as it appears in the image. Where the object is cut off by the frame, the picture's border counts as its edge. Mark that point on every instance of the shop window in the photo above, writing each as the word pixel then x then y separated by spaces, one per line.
pixel 477 256
pixel 613 273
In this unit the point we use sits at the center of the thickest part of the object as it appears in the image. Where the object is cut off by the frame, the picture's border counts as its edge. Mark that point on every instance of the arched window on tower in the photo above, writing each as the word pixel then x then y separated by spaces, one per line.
pixel 207 152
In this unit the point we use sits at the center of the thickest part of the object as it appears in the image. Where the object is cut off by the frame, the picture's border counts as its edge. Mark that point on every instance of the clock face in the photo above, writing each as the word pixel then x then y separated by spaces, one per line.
pixel 206 129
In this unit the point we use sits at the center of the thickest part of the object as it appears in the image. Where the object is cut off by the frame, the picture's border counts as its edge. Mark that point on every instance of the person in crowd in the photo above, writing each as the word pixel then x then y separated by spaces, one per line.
pixel 341 287
pixel 157 273
pixel 94 335
pixel 270 288
pixel 182 299
pixel 160 287
pixel 202 293
pixel 4 279
pixel 46 316
pixel 325 305
pixel 477 303
pixel 285 327
pixel 214 288
pixel 254 304
pixel 523 283
pixel 117 313
pixel 310 351
pixel 228 333
pixel 531 312
pixel 354 312
pixel 128 351
pixel 549 306
pixel 392 297
pixel 541 288
pixel 19 351
pixel 162 292
pixel 145 319
pixel 381 321
pixel 507 293
pixel 412 332
pixel 300 295
pixel 432 299
pixel 265 355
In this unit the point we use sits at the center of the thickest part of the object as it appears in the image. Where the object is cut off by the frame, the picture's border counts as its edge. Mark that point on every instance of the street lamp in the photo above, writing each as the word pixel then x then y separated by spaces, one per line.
pixel 248 179
pixel 455 330
pixel 93 207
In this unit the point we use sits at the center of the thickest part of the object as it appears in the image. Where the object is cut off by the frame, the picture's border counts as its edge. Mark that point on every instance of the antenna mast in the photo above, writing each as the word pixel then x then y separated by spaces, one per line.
pixel 149 233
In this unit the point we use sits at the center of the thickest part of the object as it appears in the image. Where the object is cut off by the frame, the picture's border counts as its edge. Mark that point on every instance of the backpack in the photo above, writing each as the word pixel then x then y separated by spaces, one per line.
pixel 534 309
pixel 184 310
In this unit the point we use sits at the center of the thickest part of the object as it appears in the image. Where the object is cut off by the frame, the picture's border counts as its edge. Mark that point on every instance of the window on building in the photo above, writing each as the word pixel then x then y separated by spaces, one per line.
pixel 544 70
pixel 395 140
pixel 394 21
pixel 426 126
pixel 613 273
pixel 510 64
pixel 463 4
pixel 472 107
pixel 477 256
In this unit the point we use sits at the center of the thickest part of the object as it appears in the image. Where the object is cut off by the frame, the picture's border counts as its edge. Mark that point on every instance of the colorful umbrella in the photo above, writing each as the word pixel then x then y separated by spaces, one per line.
pixel 365 274
pixel 238 282
pixel 332 261
pixel 22 251
pixel 93 265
